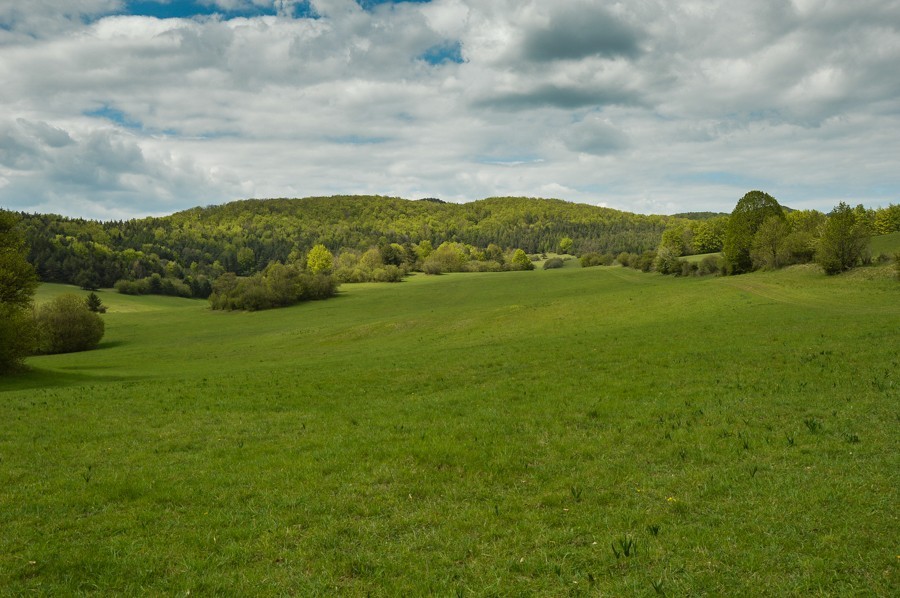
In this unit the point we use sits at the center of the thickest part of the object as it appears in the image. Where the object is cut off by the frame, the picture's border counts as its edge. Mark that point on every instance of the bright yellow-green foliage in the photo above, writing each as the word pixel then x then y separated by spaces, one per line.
pixel 483 434
pixel 319 260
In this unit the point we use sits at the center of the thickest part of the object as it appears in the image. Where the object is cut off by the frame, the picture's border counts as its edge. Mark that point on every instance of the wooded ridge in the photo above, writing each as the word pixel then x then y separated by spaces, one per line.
pixel 245 236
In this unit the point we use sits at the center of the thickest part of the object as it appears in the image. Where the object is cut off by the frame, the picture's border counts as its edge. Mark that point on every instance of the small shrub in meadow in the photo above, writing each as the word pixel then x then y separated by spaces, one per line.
pixel 552 263
pixel 66 325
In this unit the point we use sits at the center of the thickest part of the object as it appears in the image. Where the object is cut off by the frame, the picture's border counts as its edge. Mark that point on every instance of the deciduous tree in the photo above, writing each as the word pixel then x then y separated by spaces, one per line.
pixel 17 285
pixel 319 260
pixel 769 249
pixel 844 241
pixel 746 218
pixel 521 261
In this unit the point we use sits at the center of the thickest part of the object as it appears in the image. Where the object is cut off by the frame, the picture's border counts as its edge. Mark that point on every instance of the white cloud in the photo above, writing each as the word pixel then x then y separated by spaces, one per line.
pixel 655 106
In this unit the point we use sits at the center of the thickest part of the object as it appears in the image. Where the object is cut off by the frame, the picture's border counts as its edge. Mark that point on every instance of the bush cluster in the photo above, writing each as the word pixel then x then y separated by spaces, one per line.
pixel 388 264
pixel 198 286
pixel 276 286
pixel 553 262
pixel 459 257
pixel 66 325
pixel 596 259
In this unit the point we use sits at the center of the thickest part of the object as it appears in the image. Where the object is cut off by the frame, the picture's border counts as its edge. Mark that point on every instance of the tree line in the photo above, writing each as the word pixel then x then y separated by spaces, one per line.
pixel 196 246
pixel 761 234
pixel 373 238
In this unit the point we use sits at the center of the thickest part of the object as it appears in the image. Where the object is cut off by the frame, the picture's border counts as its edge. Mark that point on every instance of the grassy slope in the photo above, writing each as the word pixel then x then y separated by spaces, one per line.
pixel 886 244
pixel 487 434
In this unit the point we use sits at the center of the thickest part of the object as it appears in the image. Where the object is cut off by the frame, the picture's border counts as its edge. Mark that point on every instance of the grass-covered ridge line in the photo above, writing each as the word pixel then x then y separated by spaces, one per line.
pixel 502 433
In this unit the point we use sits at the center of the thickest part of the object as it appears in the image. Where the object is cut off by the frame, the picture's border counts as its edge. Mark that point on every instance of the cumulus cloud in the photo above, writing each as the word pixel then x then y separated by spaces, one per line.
pixel 595 136
pixel 652 106
pixel 576 31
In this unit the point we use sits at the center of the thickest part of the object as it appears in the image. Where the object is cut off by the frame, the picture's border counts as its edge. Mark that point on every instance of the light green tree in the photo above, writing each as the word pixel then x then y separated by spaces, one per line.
pixel 709 235
pixel 424 249
pixel 565 245
pixel 521 261
pixel 887 220
pixel 319 260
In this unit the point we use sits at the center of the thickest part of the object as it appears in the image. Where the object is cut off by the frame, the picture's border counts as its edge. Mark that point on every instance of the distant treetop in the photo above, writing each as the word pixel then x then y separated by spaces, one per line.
pixel 699 215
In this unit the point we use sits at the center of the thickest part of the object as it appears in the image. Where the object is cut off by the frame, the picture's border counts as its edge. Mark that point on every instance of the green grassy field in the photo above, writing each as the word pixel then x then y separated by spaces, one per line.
pixel 886 244
pixel 576 431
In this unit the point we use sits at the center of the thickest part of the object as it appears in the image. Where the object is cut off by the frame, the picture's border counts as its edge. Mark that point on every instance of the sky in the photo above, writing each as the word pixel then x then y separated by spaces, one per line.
pixel 114 109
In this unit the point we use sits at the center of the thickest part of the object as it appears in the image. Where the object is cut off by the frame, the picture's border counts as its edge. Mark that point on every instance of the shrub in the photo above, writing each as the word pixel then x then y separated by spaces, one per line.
pixel 449 257
pixel 484 266
pixel 432 267
pixel 552 263
pixel 521 261
pixel 643 262
pixel 66 325
pixel 667 262
pixel 589 260
pixel 277 286
pixel 688 268
pixel 132 287
pixel 711 264
pixel 388 273
pixel 157 285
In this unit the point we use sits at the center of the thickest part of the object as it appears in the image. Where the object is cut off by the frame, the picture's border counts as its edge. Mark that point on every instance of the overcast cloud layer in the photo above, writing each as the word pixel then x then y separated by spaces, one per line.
pixel 113 109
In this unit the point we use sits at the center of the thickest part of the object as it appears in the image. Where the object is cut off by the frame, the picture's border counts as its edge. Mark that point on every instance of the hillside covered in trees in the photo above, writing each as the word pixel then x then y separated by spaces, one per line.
pixel 244 237
pixel 374 238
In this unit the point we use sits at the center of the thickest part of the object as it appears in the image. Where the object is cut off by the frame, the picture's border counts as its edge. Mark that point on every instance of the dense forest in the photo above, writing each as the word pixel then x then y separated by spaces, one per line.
pixel 374 238
pixel 198 245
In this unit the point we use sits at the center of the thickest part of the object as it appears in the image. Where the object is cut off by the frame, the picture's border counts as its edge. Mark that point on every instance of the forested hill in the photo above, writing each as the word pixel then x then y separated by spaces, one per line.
pixel 244 236
pixel 359 222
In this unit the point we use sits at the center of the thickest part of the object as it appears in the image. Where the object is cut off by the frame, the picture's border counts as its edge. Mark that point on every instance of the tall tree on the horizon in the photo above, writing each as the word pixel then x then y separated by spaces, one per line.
pixel 844 241
pixel 746 218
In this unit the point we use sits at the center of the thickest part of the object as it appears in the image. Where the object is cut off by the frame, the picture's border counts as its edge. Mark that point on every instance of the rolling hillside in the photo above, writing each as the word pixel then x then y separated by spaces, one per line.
pixel 571 431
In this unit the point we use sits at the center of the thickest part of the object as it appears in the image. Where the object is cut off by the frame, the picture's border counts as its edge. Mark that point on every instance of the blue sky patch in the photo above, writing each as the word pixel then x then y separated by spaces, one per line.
pixel 116 116
pixel 185 9
pixel 441 53
pixel 370 4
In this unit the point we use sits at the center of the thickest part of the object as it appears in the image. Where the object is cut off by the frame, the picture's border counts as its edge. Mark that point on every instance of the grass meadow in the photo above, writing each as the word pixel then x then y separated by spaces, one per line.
pixel 575 431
